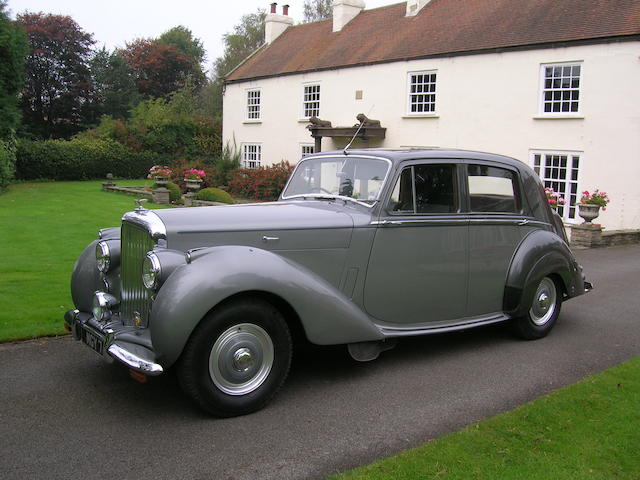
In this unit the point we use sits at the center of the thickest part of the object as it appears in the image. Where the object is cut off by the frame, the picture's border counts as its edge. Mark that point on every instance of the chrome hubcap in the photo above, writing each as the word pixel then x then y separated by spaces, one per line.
pixel 544 302
pixel 241 359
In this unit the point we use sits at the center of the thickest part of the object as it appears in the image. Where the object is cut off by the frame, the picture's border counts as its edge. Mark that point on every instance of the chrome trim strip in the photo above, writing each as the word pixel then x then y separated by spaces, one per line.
pixel 434 221
pixel 133 361
pixel 402 332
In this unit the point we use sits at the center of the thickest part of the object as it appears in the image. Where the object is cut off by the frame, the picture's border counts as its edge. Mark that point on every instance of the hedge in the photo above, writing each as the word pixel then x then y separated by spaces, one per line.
pixel 7 163
pixel 81 159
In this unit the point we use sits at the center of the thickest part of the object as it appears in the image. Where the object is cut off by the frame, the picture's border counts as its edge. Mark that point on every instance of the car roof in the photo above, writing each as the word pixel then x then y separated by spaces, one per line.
pixel 533 187
pixel 400 155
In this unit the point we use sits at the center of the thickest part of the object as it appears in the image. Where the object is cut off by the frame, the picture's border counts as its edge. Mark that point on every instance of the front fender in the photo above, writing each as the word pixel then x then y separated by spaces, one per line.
pixel 85 279
pixel 217 273
pixel 540 253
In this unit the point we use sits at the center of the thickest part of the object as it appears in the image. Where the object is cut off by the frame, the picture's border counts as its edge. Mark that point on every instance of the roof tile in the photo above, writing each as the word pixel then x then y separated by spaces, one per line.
pixel 442 27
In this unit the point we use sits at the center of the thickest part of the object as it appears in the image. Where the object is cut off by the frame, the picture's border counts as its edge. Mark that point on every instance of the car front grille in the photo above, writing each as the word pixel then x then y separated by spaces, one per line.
pixel 135 302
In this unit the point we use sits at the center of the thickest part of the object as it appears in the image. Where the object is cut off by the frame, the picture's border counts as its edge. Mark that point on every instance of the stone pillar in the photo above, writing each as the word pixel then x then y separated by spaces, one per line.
pixel 586 235
pixel 161 196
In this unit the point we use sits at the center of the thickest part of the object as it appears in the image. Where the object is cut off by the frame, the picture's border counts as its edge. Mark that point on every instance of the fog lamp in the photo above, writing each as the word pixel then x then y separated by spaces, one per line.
pixel 102 304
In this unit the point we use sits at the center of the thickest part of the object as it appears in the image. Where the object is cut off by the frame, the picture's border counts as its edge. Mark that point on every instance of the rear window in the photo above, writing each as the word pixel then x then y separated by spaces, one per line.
pixel 492 189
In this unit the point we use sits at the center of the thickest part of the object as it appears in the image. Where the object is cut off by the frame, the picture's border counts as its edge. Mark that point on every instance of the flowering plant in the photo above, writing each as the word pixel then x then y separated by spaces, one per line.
pixel 193 174
pixel 595 198
pixel 159 171
pixel 554 199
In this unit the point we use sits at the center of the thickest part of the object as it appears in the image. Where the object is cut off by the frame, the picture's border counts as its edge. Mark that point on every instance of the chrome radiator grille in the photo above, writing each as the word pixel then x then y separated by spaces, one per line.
pixel 135 300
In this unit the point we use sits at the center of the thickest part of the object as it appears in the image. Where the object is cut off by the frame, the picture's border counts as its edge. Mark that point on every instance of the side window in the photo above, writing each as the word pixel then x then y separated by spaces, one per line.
pixel 492 189
pixel 424 189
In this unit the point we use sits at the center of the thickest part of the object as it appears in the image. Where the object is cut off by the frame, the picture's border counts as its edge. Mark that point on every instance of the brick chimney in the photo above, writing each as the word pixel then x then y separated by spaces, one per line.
pixel 414 6
pixel 344 11
pixel 275 24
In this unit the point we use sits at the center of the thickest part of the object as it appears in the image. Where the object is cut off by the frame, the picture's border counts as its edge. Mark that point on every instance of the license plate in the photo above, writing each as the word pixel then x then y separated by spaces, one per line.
pixel 93 341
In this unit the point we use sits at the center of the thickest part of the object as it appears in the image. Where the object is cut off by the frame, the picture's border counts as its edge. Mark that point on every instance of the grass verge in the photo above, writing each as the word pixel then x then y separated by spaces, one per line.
pixel 43 229
pixel 590 430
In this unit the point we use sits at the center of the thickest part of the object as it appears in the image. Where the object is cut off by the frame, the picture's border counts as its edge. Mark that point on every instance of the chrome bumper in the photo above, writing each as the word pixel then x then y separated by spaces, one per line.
pixel 112 340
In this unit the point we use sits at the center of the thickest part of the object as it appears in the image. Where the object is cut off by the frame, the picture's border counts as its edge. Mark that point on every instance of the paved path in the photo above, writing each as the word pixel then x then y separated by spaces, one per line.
pixel 66 414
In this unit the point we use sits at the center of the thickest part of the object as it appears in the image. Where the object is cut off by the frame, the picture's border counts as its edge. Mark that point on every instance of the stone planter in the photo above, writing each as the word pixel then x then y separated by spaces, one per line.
pixel 588 211
pixel 161 181
pixel 193 185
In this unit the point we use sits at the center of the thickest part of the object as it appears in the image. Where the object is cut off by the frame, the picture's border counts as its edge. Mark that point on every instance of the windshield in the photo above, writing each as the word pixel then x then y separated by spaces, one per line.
pixel 353 177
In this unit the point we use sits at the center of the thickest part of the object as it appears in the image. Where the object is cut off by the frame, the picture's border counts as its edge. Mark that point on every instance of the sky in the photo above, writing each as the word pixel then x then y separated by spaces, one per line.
pixel 115 22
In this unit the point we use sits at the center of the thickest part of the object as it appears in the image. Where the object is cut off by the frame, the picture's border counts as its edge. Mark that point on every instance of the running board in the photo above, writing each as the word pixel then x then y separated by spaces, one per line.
pixel 406 332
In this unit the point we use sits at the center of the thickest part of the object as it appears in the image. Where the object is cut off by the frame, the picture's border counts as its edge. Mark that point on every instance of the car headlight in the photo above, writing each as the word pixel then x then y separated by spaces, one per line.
pixel 151 271
pixel 102 304
pixel 103 256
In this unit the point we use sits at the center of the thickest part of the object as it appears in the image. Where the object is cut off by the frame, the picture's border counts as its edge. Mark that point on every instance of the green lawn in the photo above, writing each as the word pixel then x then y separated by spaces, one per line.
pixel 590 430
pixel 43 228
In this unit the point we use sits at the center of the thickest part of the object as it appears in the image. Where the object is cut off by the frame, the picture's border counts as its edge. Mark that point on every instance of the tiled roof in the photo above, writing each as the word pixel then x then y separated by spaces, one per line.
pixel 442 27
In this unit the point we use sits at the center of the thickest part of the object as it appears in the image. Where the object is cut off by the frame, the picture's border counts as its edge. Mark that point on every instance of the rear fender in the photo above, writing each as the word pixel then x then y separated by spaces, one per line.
pixel 541 253
pixel 217 273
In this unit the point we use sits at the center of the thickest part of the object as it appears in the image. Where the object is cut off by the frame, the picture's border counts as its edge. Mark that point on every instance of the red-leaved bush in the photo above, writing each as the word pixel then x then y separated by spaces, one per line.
pixel 264 183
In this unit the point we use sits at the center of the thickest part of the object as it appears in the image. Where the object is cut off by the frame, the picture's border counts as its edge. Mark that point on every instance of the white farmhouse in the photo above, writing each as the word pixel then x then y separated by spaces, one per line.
pixel 554 83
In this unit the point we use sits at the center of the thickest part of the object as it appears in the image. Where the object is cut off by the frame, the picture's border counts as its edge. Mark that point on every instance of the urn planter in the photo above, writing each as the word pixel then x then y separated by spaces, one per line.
pixel 588 211
pixel 161 181
pixel 193 184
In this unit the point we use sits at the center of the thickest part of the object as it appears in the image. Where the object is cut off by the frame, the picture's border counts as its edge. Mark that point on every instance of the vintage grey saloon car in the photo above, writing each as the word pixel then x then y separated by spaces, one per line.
pixel 363 247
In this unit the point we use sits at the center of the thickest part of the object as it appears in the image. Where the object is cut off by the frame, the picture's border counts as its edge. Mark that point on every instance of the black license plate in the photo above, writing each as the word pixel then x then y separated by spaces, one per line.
pixel 93 341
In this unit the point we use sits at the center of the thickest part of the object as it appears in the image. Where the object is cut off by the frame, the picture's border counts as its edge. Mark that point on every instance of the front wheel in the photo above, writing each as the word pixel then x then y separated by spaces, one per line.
pixel 237 358
pixel 543 313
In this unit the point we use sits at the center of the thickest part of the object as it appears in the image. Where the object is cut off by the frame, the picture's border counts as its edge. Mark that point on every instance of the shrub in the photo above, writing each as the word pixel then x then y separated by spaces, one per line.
pixel 175 194
pixel 7 163
pixel 80 159
pixel 214 195
pixel 264 183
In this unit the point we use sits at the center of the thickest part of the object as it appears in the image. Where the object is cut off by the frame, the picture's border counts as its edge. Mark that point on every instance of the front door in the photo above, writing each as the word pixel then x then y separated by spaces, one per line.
pixel 418 266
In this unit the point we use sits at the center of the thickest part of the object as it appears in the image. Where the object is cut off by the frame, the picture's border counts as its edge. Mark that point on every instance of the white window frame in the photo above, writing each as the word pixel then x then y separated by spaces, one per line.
pixel 549 169
pixel 306 101
pixel 561 90
pixel 251 155
pixel 434 92
pixel 254 115
pixel 306 149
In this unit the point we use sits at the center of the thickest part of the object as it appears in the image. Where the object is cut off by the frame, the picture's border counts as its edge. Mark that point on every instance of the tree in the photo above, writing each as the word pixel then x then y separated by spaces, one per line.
pixel 159 68
pixel 115 91
pixel 315 10
pixel 58 82
pixel 247 36
pixel 13 50
pixel 181 38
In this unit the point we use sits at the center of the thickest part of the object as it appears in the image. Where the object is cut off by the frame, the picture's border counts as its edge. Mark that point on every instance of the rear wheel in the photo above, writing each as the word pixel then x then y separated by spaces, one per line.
pixel 543 312
pixel 237 358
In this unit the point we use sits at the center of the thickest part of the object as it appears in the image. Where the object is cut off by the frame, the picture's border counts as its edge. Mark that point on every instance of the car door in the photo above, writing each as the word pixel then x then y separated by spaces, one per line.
pixel 417 270
pixel 497 225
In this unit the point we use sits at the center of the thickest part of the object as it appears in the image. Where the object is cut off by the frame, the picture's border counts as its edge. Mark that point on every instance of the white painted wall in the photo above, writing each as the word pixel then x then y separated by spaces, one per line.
pixel 484 102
